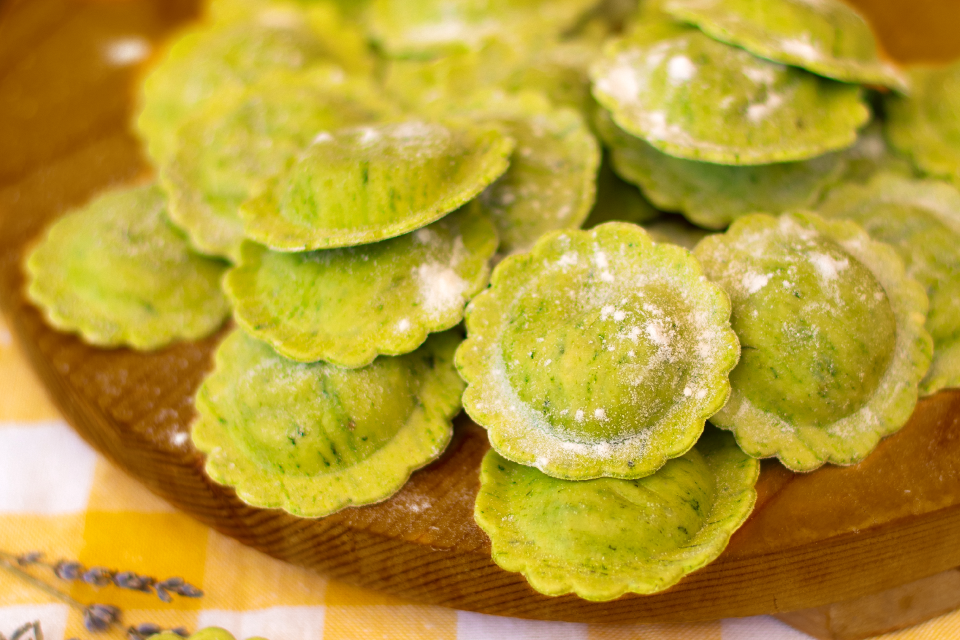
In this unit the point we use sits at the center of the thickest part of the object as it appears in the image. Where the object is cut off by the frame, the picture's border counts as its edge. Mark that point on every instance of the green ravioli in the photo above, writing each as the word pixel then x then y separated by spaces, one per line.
pixel 602 538
pixel 434 27
pixel 925 125
pixel 236 142
pixel 693 97
pixel 347 306
pixel 599 353
pixel 245 41
pixel 118 273
pixel 826 37
pixel 551 182
pixel 314 438
pixel 921 220
pixel 358 185
pixel 432 83
pixel 714 195
pixel 832 335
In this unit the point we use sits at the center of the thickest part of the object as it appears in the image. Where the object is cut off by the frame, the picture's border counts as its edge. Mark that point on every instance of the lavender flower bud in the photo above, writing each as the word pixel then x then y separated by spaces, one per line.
pixel 68 570
pixel 98 576
pixel 132 581
pixel 189 591
pixel 172 584
pixel 100 617
pixel 29 558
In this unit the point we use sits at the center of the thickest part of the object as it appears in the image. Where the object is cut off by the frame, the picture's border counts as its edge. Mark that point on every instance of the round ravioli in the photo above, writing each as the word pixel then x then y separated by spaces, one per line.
pixel 832 335
pixel 314 438
pixel 602 538
pixel 714 195
pixel 826 37
pixel 693 97
pixel 117 272
pixel 424 83
pixel 235 143
pixel 597 354
pixel 358 185
pixel 434 27
pixel 347 306
pixel 921 220
pixel 241 44
pixel 925 125
pixel 552 179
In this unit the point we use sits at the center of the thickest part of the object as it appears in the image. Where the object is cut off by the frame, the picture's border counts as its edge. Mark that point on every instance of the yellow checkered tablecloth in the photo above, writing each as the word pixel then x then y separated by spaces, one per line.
pixel 59 496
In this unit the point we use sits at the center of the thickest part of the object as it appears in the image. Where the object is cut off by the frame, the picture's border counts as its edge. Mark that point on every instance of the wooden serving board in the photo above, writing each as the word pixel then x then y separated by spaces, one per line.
pixel 835 535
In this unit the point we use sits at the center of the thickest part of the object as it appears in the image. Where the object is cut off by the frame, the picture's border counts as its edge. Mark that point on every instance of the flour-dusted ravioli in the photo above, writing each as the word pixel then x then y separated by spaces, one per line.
pixel 925 125
pixel 235 143
pixel 714 195
pixel 117 272
pixel 921 220
pixel 314 438
pixel 245 41
pixel 826 37
pixel 358 185
pixel 602 538
pixel 832 335
pixel 434 27
pixel 599 353
pixel 434 82
pixel 552 179
pixel 696 98
pixel 347 306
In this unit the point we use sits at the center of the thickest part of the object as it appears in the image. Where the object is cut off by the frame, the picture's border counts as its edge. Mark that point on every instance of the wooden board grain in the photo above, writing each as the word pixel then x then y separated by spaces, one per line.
pixel 835 535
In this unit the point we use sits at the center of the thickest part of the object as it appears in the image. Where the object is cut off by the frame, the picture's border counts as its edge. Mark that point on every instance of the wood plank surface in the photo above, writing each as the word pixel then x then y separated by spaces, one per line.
pixel 832 536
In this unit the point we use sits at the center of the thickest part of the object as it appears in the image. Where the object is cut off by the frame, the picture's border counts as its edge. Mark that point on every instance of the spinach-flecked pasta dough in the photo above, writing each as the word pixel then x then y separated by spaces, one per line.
pixel 832 337
pixel 826 37
pixel 347 306
pixel 357 185
pixel 602 538
pixel 921 220
pixel 314 438
pixel 692 97
pixel 597 354
pixel 118 272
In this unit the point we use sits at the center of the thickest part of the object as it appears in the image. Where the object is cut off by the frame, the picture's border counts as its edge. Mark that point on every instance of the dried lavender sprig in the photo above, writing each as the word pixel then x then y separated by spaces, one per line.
pixel 72 570
pixel 96 617
pixel 39 584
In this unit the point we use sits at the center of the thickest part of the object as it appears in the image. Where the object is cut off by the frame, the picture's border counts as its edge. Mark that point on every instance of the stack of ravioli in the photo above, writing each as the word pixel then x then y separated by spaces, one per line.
pixel 352 180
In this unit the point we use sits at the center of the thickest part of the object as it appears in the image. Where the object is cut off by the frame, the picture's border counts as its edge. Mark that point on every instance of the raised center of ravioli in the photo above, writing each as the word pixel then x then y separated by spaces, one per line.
pixel 816 329
pixel 311 421
pixel 600 355
pixel 610 520
pixel 370 175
